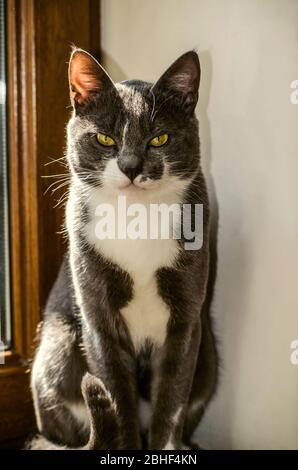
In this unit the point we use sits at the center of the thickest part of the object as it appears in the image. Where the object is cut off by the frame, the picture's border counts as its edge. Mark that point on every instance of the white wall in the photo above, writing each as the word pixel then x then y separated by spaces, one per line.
pixel 249 130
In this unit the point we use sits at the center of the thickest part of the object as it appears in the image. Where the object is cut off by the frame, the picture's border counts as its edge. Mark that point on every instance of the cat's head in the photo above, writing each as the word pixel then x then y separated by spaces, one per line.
pixel 133 136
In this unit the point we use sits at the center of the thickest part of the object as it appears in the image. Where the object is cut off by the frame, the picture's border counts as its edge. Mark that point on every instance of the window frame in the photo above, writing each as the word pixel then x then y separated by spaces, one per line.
pixel 34 29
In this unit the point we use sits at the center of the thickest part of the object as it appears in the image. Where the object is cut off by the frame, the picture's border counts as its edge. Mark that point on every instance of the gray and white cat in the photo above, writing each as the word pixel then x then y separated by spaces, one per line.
pixel 126 358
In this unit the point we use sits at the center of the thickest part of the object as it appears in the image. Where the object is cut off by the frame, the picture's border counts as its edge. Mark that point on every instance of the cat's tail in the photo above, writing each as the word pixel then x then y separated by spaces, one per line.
pixel 104 420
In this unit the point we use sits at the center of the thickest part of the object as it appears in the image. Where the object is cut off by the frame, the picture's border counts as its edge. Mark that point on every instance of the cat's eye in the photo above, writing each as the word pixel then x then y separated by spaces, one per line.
pixel 105 140
pixel 159 140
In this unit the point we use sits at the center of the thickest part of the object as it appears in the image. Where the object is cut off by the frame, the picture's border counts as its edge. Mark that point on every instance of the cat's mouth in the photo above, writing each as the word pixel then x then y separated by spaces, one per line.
pixel 131 186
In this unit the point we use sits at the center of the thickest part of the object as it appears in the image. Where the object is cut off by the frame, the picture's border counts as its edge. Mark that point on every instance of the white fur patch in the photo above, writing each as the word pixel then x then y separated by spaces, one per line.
pixel 169 445
pixel 195 406
pixel 175 419
pixel 133 100
pixel 145 413
pixel 79 412
pixel 176 416
pixel 147 314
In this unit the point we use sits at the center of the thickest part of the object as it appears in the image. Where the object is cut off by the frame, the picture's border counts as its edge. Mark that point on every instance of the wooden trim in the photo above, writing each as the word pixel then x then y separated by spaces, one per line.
pixel 95 29
pixel 16 406
pixel 39 37
pixel 23 174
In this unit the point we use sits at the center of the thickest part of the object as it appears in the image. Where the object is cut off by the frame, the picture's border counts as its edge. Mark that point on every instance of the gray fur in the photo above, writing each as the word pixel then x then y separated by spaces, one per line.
pixel 86 354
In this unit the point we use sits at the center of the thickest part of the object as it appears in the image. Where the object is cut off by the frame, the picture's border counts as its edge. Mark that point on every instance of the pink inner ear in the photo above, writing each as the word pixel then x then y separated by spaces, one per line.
pixel 83 77
pixel 182 82
pixel 185 78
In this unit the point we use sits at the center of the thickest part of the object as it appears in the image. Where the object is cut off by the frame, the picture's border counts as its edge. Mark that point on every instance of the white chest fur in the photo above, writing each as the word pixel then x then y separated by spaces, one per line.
pixel 147 314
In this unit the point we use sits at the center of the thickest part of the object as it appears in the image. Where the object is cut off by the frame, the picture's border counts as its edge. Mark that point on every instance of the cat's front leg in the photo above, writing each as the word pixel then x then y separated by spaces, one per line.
pixel 116 369
pixel 109 355
pixel 172 384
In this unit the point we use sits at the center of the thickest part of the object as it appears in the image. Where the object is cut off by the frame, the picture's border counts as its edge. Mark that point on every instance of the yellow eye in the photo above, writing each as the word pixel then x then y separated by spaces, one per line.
pixel 105 140
pixel 159 140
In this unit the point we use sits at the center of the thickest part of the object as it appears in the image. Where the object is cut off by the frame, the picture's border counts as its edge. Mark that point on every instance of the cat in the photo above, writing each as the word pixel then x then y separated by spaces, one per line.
pixel 127 357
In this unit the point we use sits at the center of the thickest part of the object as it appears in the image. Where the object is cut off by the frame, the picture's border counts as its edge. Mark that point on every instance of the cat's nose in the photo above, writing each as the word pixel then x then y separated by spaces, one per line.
pixel 130 166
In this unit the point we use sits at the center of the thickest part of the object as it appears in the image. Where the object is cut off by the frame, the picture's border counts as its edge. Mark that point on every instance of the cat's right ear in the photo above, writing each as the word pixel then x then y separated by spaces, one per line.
pixel 87 77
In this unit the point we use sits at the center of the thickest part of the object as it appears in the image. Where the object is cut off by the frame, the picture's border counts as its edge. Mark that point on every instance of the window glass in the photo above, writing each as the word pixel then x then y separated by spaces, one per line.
pixel 5 317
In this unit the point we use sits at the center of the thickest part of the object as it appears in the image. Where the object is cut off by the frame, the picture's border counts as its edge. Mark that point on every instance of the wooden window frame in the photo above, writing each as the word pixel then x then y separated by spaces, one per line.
pixel 39 34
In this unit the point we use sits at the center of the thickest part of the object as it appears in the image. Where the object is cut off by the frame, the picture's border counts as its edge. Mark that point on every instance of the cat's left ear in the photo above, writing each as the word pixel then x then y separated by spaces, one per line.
pixel 182 78
pixel 86 77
